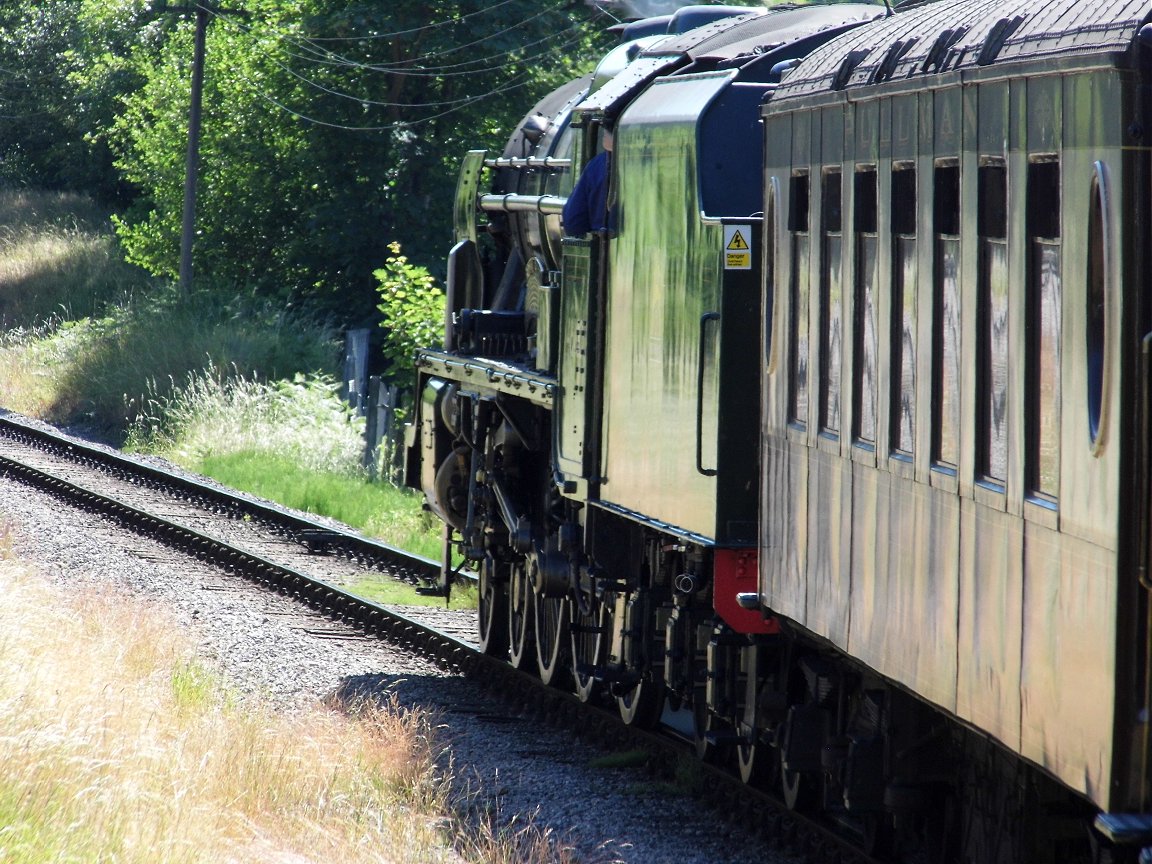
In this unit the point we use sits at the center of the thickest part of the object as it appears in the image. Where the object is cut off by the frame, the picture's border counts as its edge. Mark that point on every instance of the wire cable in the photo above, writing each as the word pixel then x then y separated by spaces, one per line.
pixel 317 53
pixel 442 108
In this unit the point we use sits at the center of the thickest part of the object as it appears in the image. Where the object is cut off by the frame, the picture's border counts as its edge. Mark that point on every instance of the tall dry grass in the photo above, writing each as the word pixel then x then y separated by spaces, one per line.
pixel 87 337
pixel 117 745
pixel 59 259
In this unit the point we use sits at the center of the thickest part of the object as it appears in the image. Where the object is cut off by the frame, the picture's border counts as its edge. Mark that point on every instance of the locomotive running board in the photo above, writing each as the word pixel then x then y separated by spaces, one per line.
pixel 490 375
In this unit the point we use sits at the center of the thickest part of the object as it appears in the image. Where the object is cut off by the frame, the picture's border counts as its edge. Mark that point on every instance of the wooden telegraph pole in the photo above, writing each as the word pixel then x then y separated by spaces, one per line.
pixel 203 9
pixel 192 166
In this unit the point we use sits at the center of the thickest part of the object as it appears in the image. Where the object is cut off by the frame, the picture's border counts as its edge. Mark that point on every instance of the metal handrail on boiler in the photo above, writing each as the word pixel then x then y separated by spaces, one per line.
pixel 549 205
pixel 524 163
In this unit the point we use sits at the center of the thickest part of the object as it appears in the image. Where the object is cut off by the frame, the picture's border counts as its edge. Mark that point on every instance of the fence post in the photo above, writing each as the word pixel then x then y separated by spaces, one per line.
pixel 372 428
pixel 383 428
pixel 356 369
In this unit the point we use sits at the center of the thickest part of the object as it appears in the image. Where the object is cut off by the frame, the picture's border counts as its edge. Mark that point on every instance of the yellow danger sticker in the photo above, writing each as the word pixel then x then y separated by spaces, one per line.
pixel 737 247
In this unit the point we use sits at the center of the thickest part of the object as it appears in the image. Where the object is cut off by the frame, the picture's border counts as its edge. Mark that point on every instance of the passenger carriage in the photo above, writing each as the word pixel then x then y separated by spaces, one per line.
pixel 955 476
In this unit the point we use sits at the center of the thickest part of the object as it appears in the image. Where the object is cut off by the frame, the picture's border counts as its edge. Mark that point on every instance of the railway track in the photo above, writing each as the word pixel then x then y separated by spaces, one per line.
pixel 315 563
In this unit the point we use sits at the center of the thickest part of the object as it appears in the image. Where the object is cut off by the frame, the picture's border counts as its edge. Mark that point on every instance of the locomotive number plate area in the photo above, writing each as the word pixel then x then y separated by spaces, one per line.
pixel 737 247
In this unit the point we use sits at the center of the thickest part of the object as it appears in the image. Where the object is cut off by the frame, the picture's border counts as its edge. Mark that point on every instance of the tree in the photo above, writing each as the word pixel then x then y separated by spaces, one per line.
pixel 63 67
pixel 332 127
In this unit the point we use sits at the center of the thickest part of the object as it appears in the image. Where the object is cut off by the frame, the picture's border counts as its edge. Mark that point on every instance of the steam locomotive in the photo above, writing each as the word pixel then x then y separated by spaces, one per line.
pixel 837 440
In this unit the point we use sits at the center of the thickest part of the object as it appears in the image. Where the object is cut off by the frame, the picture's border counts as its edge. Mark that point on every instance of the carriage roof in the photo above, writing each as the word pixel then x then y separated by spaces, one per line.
pixel 949 35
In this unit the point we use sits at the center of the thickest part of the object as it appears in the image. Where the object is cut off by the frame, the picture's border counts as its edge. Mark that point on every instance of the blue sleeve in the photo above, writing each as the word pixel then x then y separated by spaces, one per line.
pixel 586 207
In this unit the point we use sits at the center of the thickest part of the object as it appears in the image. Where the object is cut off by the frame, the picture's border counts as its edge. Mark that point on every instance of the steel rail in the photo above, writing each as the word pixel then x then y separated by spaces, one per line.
pixel 522 692
pixel 319 538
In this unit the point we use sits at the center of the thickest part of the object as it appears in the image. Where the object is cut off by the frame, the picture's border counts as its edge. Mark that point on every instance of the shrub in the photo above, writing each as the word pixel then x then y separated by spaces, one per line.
pixel 412 305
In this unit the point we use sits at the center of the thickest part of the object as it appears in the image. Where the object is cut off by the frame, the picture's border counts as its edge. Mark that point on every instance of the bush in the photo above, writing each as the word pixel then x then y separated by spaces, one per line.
pixel 412 306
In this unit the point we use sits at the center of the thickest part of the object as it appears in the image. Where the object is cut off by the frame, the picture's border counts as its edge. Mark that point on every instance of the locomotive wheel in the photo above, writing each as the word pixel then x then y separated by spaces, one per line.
pixel 643 704
pixel 705 723
pixel 493 612
pixel 521 648
pixel 758 761
pixel 719 666
pixel 552 640
pixel 756 757
pixel 800 788
pixel 590 633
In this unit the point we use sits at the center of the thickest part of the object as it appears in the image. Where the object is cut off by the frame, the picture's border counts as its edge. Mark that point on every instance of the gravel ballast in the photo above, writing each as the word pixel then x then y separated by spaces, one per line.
pixel 268 648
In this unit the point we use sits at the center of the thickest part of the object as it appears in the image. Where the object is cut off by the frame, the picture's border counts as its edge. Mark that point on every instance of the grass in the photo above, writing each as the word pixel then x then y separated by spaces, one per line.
pixel 375 509
pixel 116 744
pixel 388 592
pixel 295 443
pixel 684 778
pixel 89 336
pixel 58 259
pixel 217 382
pixel 31 357
pixel 622 760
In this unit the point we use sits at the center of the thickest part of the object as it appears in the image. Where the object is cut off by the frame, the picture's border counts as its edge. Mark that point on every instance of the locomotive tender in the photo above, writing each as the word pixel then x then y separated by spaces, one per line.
pixel 838 441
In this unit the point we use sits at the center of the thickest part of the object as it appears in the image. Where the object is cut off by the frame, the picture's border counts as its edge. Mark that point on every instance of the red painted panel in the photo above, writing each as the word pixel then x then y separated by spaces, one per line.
pixel 735 572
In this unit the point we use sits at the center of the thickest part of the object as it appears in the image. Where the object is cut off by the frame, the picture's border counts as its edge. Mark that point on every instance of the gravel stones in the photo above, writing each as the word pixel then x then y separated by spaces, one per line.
pixel 506 766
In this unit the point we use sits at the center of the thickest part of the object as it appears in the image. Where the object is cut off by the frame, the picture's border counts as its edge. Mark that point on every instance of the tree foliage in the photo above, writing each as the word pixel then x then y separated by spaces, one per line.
pixel 411 306
pixel 330 127
pixel 63 68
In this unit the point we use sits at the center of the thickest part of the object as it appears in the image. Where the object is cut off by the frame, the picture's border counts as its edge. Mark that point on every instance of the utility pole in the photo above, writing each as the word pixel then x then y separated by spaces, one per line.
pixel 192 166
pixel 203 8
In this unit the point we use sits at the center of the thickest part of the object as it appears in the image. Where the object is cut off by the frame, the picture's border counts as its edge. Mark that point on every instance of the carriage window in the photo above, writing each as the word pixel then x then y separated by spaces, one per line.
pixel 798 290
pixel 830 305
pixel 992 325
pixel 946 316
pixel 798 203
pixel 904 272
pixel 1042 414
pixel 1095 325
pixel 864 319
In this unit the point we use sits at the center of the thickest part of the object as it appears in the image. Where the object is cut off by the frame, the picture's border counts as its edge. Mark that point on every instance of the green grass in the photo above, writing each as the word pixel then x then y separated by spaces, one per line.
pixel 388 592
pixel 376 509
pixel 218 382
pixel 294 442
pixel 373 509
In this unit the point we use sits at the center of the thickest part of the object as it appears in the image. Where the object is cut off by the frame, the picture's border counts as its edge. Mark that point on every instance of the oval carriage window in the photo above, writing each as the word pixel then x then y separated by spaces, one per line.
pixel 1096 299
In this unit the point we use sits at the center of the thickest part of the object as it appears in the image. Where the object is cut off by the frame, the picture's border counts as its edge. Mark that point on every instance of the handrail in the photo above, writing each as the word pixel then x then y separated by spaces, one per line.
pixel 704 321
pixel 526 162
pixel 549 205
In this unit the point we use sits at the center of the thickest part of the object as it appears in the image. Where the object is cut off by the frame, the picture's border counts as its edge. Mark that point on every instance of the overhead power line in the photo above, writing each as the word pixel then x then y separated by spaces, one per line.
pixel 323 58
pixel 313 52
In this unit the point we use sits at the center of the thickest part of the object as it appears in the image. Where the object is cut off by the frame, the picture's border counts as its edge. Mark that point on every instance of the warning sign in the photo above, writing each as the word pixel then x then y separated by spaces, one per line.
pixel 737 247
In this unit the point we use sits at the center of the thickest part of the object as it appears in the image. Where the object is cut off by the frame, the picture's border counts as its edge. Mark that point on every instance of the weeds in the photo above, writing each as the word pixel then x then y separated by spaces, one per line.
pixel 102 764
pixel 212 415
pixel 221 383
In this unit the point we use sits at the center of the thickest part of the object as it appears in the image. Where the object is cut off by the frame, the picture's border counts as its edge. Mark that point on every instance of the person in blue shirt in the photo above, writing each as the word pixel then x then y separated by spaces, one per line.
pixel 586 209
